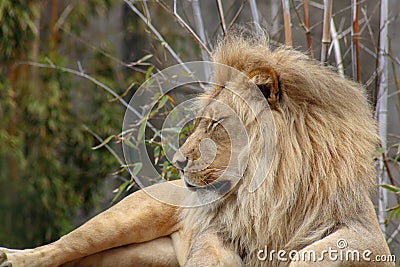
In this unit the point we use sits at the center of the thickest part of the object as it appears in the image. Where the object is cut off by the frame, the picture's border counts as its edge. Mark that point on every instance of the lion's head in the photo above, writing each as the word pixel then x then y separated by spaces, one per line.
pixel 234 117
pixel 310 139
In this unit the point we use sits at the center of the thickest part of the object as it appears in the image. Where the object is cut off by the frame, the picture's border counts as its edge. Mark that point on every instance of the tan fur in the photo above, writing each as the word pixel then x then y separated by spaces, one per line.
pixel 316 191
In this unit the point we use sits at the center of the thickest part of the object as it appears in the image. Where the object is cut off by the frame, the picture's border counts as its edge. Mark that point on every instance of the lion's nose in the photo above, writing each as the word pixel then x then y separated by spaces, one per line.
pixel 181 164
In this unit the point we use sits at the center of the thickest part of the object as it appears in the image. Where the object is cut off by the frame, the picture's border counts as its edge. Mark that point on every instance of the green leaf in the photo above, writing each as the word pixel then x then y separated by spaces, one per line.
pixel 171 130
pixel 142 60
pixel 141 131
pixel 157 151
pixel 136 167
pixel 121 170
pixel 130 144
pixel 389 217
pixel 149 72
pixel 165 164
pixel 146 57
pixel 391 188
pixel 380 151
pixel 106 141
pixel 153 112
pixel 162 102
pixel 185 74
pixel 121 188
pixel 393 211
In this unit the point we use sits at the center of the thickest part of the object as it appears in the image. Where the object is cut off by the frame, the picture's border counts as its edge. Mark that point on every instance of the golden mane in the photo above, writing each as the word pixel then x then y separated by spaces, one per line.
pixel 322 171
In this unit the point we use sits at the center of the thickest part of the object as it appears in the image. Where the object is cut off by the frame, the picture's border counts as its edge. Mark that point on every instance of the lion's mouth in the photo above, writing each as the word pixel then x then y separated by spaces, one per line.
pixel 221 187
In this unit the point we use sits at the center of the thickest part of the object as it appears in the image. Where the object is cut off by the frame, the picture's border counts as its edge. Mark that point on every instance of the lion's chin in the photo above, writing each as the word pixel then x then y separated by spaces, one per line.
pixel 221 187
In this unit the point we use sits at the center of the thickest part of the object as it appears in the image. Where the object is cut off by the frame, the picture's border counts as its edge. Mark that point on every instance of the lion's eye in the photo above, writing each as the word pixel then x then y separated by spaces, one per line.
pixel 214 123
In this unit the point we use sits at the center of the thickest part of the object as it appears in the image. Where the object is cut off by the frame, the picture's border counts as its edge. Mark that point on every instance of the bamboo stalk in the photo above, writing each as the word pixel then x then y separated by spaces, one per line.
pixel 254 13
pixel 287 23
pixel 221 16
pixel 307 28
pixel 337 50
pixel 198 20
pixel 274 16
pixel 355 40
pixel 326 37
pixel 381 109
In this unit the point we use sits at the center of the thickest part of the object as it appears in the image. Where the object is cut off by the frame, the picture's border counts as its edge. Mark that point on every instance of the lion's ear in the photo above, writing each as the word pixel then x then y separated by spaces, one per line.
pixel 267 81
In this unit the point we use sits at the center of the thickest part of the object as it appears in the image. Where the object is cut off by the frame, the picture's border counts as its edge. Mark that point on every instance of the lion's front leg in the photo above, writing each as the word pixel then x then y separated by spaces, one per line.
pixel 208 250
pixel 137 218
pixel 155 253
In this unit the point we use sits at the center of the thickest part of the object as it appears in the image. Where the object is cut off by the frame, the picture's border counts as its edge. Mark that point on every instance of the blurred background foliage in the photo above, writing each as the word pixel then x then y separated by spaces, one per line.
pixel 47 166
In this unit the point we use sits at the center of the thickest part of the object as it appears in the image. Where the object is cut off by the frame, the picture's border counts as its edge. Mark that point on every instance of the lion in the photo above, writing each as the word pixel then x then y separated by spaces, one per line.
pixel 304 188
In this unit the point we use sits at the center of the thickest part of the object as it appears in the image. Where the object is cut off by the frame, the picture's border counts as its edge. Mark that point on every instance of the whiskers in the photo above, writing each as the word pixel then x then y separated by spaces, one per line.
pixel 224 172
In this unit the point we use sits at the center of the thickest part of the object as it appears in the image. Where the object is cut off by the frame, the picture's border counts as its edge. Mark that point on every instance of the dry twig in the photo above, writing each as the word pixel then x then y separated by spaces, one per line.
pixel 221 16
pixel 355 40
pixel 305 24
pixel 307 27
pixel 381 109
pixel 337 50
